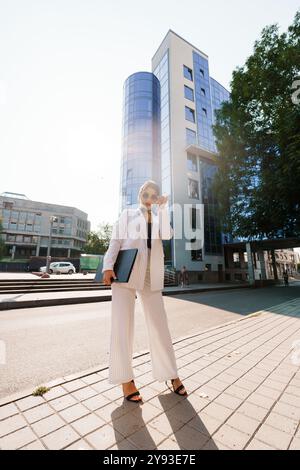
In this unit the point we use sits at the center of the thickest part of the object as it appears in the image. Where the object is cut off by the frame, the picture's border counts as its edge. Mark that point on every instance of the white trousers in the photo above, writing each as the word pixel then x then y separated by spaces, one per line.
pixel 122 332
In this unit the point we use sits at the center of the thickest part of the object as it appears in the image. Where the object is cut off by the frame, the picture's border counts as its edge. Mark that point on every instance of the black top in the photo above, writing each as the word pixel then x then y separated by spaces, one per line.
pixel 149 235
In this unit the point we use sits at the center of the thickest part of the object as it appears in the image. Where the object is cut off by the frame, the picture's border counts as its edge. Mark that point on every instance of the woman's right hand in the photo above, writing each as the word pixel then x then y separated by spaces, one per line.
pixel 107 275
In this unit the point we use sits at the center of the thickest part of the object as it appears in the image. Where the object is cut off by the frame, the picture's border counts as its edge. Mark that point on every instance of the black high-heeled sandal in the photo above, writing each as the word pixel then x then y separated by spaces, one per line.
pixel 134 394
pixel 181 387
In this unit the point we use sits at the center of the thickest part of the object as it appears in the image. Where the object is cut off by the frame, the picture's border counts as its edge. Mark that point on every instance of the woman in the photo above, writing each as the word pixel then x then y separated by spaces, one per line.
pixel 143 229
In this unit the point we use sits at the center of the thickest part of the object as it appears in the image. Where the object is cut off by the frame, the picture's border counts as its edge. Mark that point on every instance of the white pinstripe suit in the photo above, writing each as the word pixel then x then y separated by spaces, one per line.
pixel 130 231
pixel 146 281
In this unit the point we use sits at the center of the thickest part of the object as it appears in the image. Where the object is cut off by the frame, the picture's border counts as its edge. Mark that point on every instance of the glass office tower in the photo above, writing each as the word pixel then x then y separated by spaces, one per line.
pixel 141 139
pixel 189 99
pixel 162 73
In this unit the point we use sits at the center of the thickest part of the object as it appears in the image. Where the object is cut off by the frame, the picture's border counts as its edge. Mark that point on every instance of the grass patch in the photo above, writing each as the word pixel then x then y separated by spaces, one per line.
pixel 40 391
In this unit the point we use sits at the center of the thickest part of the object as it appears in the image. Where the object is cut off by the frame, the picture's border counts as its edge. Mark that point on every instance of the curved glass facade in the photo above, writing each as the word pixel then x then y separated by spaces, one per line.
pixel 141 139
pixel 162 73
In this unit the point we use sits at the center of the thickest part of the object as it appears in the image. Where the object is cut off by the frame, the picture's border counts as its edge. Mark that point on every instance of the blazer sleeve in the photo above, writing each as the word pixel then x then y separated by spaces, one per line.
pixel 165 229
pixel 115 243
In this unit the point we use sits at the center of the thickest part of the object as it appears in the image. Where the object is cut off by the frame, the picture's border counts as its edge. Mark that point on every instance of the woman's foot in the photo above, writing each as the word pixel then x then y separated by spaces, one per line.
pixel 178 387
pixel 128 389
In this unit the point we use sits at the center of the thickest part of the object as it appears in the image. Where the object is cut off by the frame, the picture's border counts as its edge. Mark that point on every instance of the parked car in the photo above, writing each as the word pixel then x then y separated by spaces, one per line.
pixel 60 268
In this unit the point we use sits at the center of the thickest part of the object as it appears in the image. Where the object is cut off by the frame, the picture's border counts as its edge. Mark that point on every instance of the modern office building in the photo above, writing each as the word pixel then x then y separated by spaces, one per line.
pixel 189 98
pixel 141 136
pixel 26 227
pixel 178 153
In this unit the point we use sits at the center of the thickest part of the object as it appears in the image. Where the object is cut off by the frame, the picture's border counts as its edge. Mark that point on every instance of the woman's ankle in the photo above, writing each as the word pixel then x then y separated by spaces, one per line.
pixel 127 383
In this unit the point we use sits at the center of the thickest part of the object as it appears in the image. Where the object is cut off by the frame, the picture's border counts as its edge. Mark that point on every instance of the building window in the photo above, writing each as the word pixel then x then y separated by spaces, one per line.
pixel 196 255
pixel 188 93
pixel 202 73
pixel 236 260
pixel 189 114
pixel 191 137
pixel 204 112
pixel 193 189
pixel 193 218
pixel 192 162
pixel 188 73
pixel 203 92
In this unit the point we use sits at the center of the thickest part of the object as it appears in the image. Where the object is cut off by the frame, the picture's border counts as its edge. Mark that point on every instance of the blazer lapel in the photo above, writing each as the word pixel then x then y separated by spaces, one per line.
pixel 142 224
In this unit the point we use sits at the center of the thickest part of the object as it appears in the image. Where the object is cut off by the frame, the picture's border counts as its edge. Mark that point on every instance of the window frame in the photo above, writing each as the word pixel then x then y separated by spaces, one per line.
pixel 189 89
pixel 187 130
pixel 189 75
pixel 187 108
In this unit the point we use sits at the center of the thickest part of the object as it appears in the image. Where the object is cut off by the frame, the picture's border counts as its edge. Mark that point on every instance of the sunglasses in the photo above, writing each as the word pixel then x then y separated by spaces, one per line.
pixel 153 197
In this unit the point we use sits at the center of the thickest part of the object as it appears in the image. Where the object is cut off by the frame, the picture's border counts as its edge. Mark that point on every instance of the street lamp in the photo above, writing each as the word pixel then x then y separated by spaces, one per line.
pixel 52 219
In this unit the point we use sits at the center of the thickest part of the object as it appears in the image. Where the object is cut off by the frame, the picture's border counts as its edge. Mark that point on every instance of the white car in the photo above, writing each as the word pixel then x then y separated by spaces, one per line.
pixel 62 267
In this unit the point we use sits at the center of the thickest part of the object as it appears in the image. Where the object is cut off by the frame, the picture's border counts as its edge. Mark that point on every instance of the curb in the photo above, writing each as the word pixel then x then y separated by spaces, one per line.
pixel 11 304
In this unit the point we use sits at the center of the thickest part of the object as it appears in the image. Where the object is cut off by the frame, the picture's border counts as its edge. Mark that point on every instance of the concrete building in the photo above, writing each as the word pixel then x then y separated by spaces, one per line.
pixel 167 136
pixel 26 227
pixel 189 98
pixel 180 157
pixel 267 263
pixel 286 260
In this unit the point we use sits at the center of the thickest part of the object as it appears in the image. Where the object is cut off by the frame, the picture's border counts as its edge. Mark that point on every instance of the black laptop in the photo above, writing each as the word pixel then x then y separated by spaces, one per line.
pixel 124 264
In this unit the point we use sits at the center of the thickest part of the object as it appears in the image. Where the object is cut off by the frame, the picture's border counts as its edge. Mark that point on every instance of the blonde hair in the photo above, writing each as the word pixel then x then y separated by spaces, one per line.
pixel 148 184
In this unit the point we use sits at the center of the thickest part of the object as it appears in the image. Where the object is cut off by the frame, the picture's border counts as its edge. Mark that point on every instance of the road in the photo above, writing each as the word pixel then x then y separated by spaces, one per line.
pixel 48 342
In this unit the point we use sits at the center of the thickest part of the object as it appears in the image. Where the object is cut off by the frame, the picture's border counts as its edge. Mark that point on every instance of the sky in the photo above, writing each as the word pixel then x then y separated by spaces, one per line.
pixel 62 68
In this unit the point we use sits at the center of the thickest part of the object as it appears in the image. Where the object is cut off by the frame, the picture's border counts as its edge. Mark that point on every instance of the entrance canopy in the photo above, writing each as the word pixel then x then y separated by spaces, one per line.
pixel 267 244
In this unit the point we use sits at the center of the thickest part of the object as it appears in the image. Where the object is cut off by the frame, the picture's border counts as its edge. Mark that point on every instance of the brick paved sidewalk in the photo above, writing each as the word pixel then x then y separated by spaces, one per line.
pixel 243 380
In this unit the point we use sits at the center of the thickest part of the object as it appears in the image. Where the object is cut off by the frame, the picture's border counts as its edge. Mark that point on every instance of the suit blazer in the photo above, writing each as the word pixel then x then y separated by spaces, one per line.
pixel 130 231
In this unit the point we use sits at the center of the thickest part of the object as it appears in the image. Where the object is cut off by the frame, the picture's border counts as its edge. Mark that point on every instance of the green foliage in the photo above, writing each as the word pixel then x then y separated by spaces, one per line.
pixel 40 391
pixel 98 242
pixel 258 138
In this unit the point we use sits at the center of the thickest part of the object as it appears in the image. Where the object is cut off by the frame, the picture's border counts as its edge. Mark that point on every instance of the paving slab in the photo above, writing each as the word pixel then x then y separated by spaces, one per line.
pixel 243 383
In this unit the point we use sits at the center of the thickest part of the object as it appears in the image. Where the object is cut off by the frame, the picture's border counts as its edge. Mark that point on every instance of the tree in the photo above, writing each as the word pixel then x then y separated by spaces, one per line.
pixel 258 139
pixel 98 242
